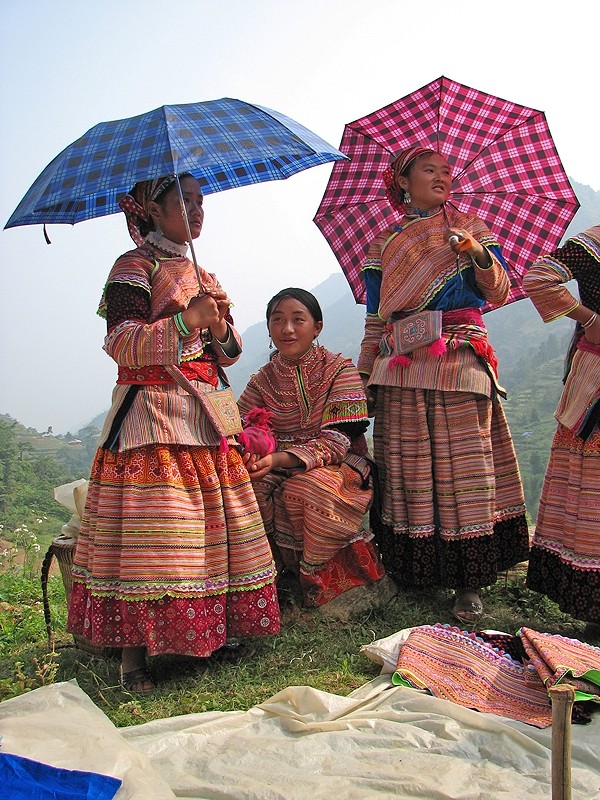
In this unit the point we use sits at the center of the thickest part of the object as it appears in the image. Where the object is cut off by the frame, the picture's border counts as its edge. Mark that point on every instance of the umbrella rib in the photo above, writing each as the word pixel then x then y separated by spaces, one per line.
pixel 505 193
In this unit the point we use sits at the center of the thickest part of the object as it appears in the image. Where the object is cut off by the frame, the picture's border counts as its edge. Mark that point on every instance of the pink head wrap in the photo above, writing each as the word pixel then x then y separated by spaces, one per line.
pixel 398 166
pixel 135 204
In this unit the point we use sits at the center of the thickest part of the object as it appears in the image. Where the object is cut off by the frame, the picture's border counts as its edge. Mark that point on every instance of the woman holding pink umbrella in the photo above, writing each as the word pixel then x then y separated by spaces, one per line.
pixel 452 507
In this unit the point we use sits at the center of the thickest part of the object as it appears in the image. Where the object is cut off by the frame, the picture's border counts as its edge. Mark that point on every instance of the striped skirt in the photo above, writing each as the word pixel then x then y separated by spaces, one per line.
pixel 172 553
pixel 315 522
pixel 451 510
pixel 565 557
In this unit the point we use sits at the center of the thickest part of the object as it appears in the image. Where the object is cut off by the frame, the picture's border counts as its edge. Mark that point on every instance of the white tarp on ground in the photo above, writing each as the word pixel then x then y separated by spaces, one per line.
pixel 379 742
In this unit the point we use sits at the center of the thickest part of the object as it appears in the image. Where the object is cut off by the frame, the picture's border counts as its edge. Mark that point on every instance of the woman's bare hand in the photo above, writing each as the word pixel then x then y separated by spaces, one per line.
pixel 461 241
pixel 258 467
pixel 202 312
pixel 222 300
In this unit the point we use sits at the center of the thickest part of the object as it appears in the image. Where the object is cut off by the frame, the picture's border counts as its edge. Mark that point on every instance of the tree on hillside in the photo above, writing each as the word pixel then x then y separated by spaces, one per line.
pixel 26 483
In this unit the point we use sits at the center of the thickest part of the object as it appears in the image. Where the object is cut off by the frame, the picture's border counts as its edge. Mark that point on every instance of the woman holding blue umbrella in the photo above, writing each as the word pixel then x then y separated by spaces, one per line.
pixel 172 555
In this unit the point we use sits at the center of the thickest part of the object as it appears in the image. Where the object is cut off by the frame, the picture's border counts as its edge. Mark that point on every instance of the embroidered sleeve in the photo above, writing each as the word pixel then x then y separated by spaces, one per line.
pixel 371 272
pixel 579 259
pixel 131 341
pixel 124 301
pixel 493 281
pixel 329 447
pixel 228 351
pixel 346 401
pixel 250 398
pixel 133 344
pixel 544 281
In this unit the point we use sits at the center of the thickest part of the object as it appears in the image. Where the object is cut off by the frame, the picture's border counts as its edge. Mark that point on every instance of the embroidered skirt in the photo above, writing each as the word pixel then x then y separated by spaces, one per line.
pixel 172 553
pixel 565 554
pixel 451 511
pixel 315 521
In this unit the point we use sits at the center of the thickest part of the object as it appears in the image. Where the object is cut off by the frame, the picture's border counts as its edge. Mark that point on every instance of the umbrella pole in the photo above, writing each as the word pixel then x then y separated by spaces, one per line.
pixel 562 697
pixel 189 234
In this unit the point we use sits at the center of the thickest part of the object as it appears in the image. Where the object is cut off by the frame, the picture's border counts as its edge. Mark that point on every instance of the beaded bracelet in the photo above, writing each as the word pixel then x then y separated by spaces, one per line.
pixel 590 321
pixel 180 325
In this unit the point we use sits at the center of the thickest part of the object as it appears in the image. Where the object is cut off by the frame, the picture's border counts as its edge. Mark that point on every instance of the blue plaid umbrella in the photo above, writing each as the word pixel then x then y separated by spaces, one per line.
pixel 223 143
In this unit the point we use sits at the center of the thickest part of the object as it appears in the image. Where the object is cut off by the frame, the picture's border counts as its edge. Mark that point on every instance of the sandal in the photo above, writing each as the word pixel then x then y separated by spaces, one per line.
pixel 467 607
pixel 137 681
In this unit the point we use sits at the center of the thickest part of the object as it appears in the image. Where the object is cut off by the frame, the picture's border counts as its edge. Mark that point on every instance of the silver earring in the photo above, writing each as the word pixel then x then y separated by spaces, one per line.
pixel 407 197
pixel 270 343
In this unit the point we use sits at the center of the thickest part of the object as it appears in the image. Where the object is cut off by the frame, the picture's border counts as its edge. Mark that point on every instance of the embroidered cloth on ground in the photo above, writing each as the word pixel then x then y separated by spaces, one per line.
pixel 464 668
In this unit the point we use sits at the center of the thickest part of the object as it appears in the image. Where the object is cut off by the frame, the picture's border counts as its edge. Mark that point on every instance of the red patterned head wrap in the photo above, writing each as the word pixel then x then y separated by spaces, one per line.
pixel 398 167
pixel 135 204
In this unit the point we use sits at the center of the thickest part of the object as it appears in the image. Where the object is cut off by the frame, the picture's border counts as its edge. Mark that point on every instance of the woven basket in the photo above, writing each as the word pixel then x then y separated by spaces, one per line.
pixel 63 549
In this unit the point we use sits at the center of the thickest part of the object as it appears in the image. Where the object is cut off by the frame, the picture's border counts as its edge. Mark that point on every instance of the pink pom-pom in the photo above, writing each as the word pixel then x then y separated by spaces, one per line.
pixel 257 436
pixel 260 417
pixel 223 445
pixel 399 361
pixel 437 348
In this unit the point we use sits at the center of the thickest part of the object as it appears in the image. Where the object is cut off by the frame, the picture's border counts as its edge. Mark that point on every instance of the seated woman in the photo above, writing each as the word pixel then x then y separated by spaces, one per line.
pixel 312 481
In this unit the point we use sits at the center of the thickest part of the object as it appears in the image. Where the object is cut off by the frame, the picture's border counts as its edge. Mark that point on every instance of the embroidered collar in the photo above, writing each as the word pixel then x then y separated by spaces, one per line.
pixel 166 245
pixel 304 359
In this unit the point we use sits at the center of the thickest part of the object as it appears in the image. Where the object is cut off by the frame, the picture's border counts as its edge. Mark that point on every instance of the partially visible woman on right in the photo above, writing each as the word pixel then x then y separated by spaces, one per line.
pixel 564 562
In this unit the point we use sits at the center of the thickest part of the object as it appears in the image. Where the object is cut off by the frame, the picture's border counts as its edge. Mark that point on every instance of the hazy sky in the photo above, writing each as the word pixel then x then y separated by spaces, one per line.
pixel 68 64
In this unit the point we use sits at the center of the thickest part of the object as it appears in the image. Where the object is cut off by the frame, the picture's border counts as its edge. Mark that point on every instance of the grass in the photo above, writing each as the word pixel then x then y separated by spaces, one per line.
pixel 312 649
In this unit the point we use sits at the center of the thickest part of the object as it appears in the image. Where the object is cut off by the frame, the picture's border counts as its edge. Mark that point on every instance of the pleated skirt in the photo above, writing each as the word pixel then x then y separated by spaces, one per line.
pixel 565 554
pixel 451 509
pixel 315 521
pixel 172 553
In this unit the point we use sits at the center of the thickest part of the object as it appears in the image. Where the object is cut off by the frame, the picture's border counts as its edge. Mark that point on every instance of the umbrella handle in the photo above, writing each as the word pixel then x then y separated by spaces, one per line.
pixel 201 287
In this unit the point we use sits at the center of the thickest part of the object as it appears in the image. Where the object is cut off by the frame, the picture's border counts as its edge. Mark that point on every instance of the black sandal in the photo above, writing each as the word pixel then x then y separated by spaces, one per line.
pixel 137 677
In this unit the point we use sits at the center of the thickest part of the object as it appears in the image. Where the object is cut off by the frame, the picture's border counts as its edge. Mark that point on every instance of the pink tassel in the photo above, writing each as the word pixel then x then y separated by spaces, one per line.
pixel 437 348
pixel 399 361
pixel 223 445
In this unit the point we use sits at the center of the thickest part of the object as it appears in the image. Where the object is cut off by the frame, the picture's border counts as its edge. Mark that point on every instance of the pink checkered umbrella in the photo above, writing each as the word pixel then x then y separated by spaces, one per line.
pixel 504 163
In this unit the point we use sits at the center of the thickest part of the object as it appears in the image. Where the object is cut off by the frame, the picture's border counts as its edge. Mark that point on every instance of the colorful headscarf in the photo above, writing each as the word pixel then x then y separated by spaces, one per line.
pixel 398 167
pixel 135 204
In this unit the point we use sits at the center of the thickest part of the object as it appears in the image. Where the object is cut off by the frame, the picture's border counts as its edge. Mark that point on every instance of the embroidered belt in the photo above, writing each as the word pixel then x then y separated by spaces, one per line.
pixel 458 316
pixel 156 374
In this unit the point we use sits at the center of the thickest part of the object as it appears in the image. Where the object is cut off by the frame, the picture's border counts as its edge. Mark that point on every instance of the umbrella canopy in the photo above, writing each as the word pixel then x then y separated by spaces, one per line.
pixel 504 164
pixel 223 143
